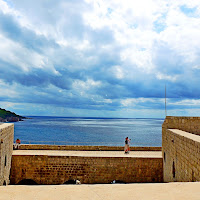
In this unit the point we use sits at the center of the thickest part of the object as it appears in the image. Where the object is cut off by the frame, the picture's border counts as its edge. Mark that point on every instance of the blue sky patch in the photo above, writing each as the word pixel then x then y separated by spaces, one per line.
pixel 188 11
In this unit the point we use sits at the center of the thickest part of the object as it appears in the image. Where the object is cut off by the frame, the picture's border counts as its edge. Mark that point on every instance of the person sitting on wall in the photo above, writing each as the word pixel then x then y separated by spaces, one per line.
pixel 17 143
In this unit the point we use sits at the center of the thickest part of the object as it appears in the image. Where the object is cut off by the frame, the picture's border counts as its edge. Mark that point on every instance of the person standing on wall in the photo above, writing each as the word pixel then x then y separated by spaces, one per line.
pixel 17 143
pixel 127 145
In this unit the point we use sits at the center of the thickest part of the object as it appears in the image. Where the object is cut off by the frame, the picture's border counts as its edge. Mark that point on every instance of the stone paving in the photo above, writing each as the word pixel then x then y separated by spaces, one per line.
pixel 139 154
pixel 156 191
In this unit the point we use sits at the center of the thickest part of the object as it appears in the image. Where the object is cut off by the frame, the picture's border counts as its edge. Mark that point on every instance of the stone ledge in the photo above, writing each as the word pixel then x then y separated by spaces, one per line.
pixel 84 148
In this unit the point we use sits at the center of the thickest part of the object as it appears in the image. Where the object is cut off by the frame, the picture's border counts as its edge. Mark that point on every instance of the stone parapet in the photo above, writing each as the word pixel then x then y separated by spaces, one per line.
pixel 188 124
pixel 6 148
pixel 181 156
pixel 180 149
pixel 84 148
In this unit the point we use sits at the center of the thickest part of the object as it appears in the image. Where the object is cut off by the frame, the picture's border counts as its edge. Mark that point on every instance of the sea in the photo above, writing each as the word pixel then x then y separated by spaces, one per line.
pixel 89 131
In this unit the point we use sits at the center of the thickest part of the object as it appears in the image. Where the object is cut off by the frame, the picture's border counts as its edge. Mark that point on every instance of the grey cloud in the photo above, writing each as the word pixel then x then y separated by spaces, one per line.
pixel 93 63
pixel 28 38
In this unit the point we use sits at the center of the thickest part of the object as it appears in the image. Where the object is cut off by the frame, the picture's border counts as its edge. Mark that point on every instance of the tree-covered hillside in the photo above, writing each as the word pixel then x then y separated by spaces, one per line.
pixel 7 116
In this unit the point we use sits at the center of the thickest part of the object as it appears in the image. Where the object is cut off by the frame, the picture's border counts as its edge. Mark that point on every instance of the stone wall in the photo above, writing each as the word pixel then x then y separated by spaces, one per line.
pixel 181 159
pixel 6 148
pixel 84 148
pixel 45 169
pixel 181 148
pixel 188 124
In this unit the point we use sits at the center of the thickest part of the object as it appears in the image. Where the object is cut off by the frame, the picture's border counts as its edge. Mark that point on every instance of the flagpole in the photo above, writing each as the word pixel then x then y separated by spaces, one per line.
pixel 165 102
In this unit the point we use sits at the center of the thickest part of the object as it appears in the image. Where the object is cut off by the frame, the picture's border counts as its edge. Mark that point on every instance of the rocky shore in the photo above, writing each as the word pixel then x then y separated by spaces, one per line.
pixel 7 116
pixel 10 119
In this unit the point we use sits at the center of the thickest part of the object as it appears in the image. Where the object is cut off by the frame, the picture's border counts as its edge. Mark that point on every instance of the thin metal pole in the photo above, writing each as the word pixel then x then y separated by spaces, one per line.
pixel 165 102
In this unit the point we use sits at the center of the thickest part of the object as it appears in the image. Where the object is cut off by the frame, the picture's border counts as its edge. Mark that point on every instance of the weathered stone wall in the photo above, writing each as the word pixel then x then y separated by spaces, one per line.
pixel 188 124
pixel 6 148
pixel 180 149
pixel 45 169
pixel 84 148
pixel 181 159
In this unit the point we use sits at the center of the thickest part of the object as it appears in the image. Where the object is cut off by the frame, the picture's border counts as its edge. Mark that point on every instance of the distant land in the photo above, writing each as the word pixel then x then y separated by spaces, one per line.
pixel 7 116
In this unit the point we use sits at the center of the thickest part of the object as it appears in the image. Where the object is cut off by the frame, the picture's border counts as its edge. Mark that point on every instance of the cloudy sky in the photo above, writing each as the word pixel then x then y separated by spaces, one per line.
pixel 99 58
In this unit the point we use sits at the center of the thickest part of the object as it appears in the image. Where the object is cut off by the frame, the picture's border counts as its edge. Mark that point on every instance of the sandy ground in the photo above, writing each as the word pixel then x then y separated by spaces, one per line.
pixel 156 191
pixel 149 154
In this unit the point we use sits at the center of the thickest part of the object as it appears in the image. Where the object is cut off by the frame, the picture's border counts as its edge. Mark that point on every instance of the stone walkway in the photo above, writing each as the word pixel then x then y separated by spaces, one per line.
pixel 142 154
pixel 156 191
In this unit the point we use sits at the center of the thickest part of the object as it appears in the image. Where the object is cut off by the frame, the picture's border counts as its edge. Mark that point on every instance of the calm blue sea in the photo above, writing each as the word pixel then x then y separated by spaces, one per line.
pixel 89 131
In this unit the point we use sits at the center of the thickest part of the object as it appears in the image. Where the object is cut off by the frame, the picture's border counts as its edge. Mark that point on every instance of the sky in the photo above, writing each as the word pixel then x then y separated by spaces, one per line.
pixel 85 58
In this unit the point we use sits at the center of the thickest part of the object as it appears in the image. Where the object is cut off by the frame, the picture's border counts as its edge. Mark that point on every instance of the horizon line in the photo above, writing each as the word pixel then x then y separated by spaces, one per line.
pixel 96 117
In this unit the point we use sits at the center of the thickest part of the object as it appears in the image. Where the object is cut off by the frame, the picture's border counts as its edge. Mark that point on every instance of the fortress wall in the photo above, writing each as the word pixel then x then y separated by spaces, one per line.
pixel 84 148
pixel 188 124
pixel 6 148
pixel 181 152
pixel 181 156
pixel 45 169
